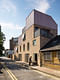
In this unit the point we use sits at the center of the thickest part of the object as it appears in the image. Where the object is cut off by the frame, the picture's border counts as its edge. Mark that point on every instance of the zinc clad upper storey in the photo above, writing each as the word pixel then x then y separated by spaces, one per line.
pixel 30 20
pixel 41 19
pixel 44 20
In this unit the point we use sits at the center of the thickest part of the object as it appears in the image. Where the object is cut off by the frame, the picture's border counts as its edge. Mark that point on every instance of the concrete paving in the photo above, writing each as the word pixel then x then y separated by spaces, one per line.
pixel 47 70
pixel 2 77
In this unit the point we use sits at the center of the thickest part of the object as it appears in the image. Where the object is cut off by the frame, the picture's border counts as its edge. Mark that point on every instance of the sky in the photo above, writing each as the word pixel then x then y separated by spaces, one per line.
pixel 13 14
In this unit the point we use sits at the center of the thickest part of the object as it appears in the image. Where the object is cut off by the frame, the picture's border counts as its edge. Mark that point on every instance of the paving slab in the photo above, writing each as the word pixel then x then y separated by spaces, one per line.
pixel 2 77
pixel 47 70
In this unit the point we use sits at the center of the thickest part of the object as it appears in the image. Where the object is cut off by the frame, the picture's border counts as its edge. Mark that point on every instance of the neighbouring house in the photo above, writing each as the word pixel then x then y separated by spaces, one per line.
pixel 13 44
pixel 40 28
pixel 50 53
pixel 8 53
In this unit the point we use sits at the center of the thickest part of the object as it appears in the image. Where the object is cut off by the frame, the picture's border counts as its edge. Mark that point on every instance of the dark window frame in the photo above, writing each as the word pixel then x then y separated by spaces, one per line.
pixel 20 48
pixel 17 50
pixel 28 46
pixel 46 33
pixel 27 57
pixel 58 54
pixel 24 37
pixel 36 32
pixel 20 57
pixel 34 43
pixel 48 56
pixel 23 47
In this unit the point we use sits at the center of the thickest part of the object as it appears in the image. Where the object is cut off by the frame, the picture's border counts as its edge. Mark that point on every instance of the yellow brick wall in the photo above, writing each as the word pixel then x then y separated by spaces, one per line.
pixel 54 64
pixel 40 42
pixel 33 49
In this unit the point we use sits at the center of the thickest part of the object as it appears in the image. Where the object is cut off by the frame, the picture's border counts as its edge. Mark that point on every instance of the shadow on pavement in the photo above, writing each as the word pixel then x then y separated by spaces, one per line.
pixel 12 65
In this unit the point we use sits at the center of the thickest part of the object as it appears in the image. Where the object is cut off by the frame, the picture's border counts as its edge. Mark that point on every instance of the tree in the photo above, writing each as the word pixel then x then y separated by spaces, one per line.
pixel 2 39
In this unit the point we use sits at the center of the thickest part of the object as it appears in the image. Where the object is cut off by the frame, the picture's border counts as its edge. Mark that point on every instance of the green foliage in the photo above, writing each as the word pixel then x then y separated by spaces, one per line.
pixel 2 39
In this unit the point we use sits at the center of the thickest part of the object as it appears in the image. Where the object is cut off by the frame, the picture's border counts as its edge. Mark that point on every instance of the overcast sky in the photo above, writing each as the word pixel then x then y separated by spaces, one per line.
pixel 14 12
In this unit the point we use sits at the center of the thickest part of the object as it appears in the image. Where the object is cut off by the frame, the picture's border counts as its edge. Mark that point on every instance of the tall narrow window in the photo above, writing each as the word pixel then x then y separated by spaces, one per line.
pixel 28 46
pixel 17 50
pixel 24 36
pixel 24 47
pixel 20 48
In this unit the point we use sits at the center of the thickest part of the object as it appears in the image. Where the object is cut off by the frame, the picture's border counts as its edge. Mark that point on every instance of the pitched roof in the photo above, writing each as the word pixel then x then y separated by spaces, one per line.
pixel 53 44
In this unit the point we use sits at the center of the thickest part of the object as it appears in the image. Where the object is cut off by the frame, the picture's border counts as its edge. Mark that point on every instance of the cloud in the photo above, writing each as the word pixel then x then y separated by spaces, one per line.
pixel 7 5
pixel 10 30
pixel 10 26
pixel 41 5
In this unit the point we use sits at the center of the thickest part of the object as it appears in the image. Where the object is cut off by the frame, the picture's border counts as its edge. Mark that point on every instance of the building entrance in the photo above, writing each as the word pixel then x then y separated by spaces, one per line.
pixel 35 59
pixel 26 57
pixel 20 57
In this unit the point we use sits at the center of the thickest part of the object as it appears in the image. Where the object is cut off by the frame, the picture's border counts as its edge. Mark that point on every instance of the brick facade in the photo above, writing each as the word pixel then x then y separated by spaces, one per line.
pixel 34 34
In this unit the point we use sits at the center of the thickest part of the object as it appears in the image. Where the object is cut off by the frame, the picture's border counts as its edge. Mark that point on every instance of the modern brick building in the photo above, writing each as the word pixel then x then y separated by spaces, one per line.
pixel 13 43
pixel 39 30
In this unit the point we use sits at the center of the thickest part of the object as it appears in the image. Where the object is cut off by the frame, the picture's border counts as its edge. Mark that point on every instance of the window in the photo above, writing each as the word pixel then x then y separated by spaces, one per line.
pixel 20 48
pixel 54 42
pixel 34 42
pixel 47 56
pixel 20 57
pixel 36 32
pixel 46 33
pixel 58 54
pixel 28 46
pixel 24 37
pixel 24 47
pixel 36 28
pixel 17 50
pixel 27 57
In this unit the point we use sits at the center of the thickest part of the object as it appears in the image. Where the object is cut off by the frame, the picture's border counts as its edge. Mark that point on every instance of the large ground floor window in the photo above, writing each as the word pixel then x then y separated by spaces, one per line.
pixel 26 57
pixel 20 57
pixel 47 56
pixel 58 54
